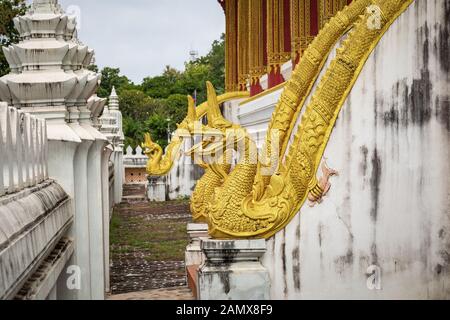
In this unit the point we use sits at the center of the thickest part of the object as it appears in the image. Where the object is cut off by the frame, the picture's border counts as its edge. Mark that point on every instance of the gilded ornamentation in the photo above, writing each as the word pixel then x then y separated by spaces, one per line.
pixel 298 88
pixel 234 211
pixel 323 185
pixel 276 40
pixel 160 164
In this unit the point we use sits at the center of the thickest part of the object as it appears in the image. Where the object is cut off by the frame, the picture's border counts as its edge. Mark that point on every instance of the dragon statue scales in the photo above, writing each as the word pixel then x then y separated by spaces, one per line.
pixel 246 201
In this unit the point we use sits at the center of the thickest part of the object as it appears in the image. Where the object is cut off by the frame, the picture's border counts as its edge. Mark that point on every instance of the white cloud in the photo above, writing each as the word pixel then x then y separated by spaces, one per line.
pixel 141 37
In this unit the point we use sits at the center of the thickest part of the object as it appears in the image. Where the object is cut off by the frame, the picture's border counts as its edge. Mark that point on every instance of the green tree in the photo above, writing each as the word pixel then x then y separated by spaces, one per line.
pixel 8 34
pixel 157 126
pixel 135 104
pixel 176 108
pixel 162 86
pixel 147 108
pixel 215 60
pixel 111 77
pixel 133 131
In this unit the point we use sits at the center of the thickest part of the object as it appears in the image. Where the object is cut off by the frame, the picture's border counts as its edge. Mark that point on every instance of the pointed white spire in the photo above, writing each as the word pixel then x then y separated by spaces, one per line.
pixel 113 100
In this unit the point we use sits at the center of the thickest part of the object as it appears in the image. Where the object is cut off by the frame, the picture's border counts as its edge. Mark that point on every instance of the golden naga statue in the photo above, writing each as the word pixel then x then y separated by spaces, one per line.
pixel 260 196
pixel 159 164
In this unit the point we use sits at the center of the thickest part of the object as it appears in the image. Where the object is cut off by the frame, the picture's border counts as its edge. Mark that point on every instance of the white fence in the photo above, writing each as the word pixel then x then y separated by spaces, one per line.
pixel 135 159
pixel 23 150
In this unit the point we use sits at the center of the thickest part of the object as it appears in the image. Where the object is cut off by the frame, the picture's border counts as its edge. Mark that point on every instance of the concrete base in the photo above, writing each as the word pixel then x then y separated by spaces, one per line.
pixel 156 190
pixel 233 271
pixel 194 254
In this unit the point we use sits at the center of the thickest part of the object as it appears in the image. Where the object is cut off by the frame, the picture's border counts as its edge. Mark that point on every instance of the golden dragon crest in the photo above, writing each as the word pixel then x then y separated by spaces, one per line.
pixel 251 201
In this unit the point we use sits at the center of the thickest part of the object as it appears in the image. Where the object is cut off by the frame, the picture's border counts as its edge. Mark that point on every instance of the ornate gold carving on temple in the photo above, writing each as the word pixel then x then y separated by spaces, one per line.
pixel 323 185
pixel 328 8
pixel 301 33
pixel 243 44
pixel 298 88
pixel 242 202
pixel 256 41
pixel 278 46
pixel 231 46
pixel 160 164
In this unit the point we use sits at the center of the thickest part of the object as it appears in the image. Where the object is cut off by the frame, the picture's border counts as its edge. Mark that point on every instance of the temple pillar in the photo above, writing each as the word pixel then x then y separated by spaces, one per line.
pixel 304 26
pixel 106 155
pixel 95 203
pixel 328 9
pixel 231 50
pixel 243 44
pixel 257 54
pixel 278 39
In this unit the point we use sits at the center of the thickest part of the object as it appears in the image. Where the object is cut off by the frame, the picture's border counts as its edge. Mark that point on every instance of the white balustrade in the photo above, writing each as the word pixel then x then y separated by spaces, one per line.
pixel 23 150
pixel 135 158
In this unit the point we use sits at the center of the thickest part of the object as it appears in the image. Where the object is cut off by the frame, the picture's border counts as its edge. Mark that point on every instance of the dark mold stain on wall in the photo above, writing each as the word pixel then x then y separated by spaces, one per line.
pixel 415 107
pixel 283 258
pixel 375 181
pixel 296 267
pixel 296 258
pixel 443 111
pixel 342 262
pixel 364 152
pixel 444 40
pixel 225 279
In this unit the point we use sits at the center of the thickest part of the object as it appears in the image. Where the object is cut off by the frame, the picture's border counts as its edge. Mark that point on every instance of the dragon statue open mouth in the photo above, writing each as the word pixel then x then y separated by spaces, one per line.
pixel 259 196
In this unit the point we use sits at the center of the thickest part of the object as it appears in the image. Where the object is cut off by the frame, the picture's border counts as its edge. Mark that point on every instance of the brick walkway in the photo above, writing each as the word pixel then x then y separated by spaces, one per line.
pixel 147 249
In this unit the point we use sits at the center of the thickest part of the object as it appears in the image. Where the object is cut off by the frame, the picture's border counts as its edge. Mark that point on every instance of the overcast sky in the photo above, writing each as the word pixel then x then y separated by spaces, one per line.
pixel 141 37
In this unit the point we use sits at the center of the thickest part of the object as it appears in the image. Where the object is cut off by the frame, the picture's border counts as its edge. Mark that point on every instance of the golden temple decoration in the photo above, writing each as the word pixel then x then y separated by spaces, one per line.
pixel 301 35
pixel 328 8
pixel 232 210
pixel 231 50
pixel 276 40
pixel 160 164
pixel 298 88
pixel 256 41
pixel 243 44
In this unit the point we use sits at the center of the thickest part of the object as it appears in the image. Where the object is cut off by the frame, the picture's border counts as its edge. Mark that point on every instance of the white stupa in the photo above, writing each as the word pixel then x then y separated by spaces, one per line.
pixel 49 75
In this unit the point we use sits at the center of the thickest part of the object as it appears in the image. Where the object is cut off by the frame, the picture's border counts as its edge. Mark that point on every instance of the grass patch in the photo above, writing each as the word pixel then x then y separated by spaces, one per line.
pixel 158 239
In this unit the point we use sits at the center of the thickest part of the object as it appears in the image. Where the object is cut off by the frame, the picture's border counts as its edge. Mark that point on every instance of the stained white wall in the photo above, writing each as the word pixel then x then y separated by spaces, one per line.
pixel 390 205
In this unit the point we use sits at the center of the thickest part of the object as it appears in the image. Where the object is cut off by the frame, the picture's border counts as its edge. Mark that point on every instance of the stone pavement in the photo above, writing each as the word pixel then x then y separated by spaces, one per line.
pixel 147 249
pixel 180 293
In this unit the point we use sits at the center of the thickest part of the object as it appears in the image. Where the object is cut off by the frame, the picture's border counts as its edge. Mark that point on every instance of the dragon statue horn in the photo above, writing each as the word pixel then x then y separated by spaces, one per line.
pixel 213 104
pixel 147 139
pixel 215 117
pixel 192 113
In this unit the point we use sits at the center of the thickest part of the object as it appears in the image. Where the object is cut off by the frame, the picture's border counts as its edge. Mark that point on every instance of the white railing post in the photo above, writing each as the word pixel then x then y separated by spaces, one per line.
pixel 44 150
pixel 129 152
pixel 23 150
pixel 34 150
pixel 139 152
pixel 2 151
pixel 26 152
pixel 9 177
pixel 17 147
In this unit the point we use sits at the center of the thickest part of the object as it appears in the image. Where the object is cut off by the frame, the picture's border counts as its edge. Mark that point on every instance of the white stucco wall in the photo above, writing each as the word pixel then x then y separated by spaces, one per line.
pixel 390 205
